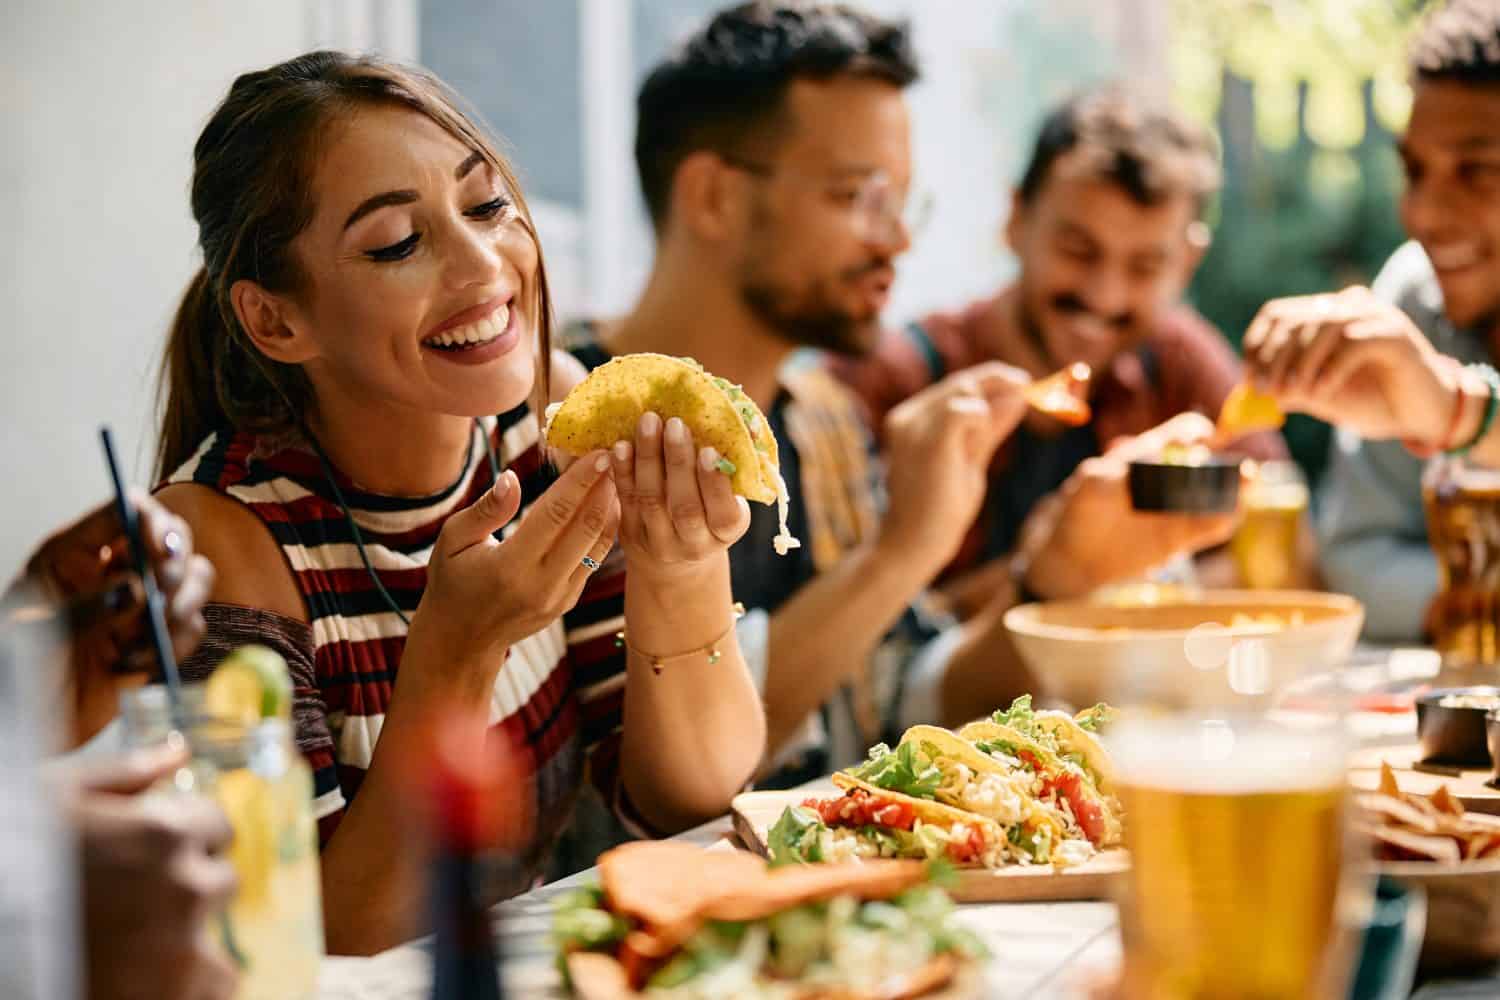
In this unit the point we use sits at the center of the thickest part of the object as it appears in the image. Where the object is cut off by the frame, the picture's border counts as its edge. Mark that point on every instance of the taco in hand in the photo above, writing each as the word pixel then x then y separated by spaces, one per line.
pixel 670 920
pixel 605 408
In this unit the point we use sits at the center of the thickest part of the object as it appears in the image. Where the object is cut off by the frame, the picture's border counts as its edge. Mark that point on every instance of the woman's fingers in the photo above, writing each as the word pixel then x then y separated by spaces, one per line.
pixel 728 516
pixel 649 496
pixel 494 509
pixel 599 552
pixel 684 498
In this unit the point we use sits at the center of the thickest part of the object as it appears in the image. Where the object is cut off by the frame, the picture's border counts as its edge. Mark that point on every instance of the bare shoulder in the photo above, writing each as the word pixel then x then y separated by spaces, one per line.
pixel 251 570
pixel 567 371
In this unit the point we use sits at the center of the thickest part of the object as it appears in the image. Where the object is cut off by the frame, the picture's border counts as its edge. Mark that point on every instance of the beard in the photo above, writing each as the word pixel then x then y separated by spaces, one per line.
pixel 809 319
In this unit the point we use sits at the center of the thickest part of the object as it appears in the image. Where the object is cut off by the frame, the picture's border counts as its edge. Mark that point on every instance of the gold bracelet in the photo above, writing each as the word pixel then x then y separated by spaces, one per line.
pixel 711 650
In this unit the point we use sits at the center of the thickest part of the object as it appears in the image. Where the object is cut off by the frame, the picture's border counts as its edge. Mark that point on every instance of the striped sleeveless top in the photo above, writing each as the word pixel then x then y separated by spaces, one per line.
pixel 559 698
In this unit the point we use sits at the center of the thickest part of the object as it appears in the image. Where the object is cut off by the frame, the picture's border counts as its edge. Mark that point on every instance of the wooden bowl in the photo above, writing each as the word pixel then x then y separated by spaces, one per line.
pixel 1463 911
pixel 1083 652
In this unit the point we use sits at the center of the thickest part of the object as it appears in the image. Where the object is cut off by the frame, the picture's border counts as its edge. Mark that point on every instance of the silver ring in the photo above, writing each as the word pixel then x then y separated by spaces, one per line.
pixel 590 563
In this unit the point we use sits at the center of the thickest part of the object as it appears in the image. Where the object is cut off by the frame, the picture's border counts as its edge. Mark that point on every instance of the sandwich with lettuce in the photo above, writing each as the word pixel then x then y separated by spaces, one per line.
pixel 677 922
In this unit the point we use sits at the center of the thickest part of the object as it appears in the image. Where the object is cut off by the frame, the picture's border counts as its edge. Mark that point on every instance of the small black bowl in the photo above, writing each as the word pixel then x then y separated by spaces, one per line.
pixel 1455 734
pixel 1211 487
pixel 1492 739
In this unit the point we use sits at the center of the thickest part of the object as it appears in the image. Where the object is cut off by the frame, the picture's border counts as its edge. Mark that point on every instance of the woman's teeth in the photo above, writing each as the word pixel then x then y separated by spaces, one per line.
pixel 472 334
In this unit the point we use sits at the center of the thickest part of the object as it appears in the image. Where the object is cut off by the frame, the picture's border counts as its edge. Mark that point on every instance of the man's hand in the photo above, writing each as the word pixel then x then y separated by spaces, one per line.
pixel 938 449
pixel 1087 534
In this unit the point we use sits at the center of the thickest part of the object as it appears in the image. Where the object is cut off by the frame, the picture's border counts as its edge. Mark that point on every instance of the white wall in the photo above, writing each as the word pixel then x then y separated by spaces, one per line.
pixel 100 104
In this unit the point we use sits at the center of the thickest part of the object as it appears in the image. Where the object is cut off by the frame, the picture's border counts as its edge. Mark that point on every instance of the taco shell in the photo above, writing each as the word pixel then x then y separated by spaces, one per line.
pixel 1074 737
pixel 936 814
pixel 606 406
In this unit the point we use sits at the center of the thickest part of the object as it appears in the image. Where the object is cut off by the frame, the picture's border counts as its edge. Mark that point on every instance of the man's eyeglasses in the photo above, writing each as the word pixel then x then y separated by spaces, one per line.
pixel 873 200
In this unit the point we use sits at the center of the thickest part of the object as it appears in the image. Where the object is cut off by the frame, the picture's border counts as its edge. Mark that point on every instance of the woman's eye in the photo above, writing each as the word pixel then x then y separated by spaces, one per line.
pixel 396 251
pixel 489 209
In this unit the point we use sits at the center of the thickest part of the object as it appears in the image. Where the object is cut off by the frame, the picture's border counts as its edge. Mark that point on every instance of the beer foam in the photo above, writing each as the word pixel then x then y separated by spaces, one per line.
pixel 1218 756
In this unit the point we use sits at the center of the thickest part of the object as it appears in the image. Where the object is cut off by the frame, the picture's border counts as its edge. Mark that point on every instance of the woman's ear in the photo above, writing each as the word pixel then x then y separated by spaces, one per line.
pixel 266 319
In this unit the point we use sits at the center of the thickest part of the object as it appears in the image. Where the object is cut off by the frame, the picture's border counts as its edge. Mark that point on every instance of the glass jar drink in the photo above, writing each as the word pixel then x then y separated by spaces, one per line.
pixel 1264 546
pixel 1463 526
pixel 274 926
pixel 1241 885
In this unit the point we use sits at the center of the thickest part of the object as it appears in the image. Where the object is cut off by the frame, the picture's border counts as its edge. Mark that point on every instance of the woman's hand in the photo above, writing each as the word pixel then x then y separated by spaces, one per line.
pixel 483 595
pixel 1356 361
pixel 80 587
pixel 677 509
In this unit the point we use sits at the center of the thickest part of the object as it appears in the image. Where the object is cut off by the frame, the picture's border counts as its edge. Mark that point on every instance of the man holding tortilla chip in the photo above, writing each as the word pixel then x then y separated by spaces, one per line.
pixel 774 157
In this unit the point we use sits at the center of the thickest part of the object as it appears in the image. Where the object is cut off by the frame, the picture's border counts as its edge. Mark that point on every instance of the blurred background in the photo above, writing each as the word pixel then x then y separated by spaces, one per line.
pixel 101 102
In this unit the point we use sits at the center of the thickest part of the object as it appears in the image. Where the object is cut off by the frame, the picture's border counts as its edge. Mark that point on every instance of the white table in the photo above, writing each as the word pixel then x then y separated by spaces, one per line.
pixel 1040 949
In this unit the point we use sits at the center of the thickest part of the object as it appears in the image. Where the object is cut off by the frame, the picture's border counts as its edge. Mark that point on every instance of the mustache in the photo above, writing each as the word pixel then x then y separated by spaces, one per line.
pixel 1069 303
pixel 876 264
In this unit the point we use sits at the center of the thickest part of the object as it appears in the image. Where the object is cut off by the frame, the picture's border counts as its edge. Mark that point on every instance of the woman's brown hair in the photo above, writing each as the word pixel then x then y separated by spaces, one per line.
pixel 253 167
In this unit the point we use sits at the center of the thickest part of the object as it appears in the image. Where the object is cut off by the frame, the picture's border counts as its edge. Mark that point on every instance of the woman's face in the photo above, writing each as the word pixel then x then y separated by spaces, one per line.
pixel 420 280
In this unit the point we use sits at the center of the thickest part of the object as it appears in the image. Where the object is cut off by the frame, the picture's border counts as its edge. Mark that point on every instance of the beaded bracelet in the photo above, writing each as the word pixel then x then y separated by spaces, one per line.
pixel 711 650
pixel 1491 403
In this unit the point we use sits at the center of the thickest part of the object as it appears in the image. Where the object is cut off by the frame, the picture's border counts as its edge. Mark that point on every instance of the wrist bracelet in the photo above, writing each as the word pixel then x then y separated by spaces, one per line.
pixel 1491 403
pixel 710 650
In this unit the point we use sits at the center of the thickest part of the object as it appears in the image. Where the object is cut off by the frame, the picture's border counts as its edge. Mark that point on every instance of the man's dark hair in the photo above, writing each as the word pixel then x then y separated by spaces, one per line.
pixel 1459 41
pixel 725 84
pixel 1149 150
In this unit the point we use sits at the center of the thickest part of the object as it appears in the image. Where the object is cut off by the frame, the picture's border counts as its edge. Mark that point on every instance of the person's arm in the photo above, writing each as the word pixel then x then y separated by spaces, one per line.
pixel 694 728
pixel 481 596
pixel 938 447
pixel 1373 535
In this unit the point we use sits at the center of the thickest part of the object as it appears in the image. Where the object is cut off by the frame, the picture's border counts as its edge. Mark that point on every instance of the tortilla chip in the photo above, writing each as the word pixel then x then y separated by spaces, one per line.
pixel 605 408
pixel 1388 784
pixel 1248 411
pixel 1431 848
pixel 1399 812
pixel 1446 803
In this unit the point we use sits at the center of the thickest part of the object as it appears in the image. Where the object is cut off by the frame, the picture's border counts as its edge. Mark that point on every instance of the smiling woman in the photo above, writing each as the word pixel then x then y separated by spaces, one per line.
pixel 372 297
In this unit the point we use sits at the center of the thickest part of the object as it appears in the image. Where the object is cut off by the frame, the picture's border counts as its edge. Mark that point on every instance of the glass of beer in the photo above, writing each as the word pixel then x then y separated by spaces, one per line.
pixel 1240 884
pixel 1264 547
pixel 1463 526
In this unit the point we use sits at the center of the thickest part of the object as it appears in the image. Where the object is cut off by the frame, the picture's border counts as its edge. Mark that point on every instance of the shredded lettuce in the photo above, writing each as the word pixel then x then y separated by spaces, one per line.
pixel 1022 719
pixel 716 945
pixel 903 770
pixel 1096 718
pixel 725 466
pixel 999 746
pixel 1037 843
pixel 931 840
pixel 796 837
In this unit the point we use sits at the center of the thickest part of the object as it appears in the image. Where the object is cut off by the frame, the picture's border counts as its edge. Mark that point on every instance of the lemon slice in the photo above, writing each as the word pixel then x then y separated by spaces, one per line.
pixel 246 800
pixel 251 684
pixel 1247 411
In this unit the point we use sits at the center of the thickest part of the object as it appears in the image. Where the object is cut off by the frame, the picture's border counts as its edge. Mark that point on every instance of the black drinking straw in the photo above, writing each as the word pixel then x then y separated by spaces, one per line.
pixel 155 614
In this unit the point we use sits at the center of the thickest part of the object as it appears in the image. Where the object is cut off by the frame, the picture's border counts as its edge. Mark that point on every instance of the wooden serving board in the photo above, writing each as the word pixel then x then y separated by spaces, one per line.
pixel 756 812
pixel 1470 785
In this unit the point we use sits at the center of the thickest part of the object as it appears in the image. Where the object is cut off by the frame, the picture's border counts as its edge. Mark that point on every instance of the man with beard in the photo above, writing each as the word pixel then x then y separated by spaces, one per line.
pixel 1104 225
pixel 774 158
pixel 773 153
pixel 1442 288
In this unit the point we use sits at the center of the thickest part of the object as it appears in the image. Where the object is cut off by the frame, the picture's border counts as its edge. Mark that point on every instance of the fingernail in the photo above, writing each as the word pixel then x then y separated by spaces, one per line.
pixel 172 542
pixel 601 463
pixel 502 485
pixel 708 458
pixel 622 450
pixel 676 431
pixel 650 424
